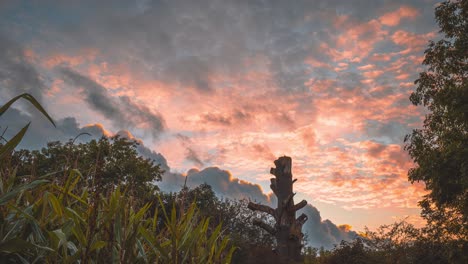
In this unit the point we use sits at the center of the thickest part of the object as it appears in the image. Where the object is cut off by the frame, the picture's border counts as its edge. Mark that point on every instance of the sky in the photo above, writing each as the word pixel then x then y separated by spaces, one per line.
pixel 217 90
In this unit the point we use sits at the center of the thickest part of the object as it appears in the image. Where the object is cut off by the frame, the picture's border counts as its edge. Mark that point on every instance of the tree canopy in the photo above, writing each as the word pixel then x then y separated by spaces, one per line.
pixel 440 148
pixel 105 164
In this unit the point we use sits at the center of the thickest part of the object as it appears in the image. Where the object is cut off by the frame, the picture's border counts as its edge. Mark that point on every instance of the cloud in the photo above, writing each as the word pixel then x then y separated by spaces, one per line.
pixel 317 80
pixel 391 131
pixel 264 151
pixel 17 72
pixel 193 156
pixel 122 111
pixel 190 153
pixel 320 233
pixel 191 71
pixel 411 40
pixel 217 119
pixel 222 182
pixel 324 233
pixel 146 152
pixel 41 131
pixel 393 18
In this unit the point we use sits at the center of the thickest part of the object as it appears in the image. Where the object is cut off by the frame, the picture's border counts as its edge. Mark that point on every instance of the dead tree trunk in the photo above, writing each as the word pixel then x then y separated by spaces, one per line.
pixel 287 229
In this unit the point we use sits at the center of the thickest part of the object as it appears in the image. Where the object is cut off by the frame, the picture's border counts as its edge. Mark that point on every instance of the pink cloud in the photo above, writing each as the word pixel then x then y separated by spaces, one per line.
pixel 342 175
pixel 403 76
pixel 411 40
pixel 372 74
pixel 393 18
pixel 53 60
pixel 380 57
pixel 356 41
pixel 366 67
pixel 317 63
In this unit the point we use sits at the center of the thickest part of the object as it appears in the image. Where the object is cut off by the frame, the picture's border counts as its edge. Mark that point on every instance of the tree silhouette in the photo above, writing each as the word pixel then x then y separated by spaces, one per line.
pixel 440 148
pixel 287 229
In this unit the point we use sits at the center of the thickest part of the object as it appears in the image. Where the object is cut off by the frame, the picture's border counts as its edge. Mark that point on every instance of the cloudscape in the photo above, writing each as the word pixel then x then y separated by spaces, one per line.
pixel 217 90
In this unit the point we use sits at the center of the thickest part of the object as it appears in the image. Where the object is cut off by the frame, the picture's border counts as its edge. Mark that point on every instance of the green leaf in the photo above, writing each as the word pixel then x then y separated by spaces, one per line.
pixel 80 236
pixel 61 236
pixel 32 100
pixel 56 205
pixel 15 245
pixel 79 199
pixel 98 245
pixel 10 195
pixel 12 143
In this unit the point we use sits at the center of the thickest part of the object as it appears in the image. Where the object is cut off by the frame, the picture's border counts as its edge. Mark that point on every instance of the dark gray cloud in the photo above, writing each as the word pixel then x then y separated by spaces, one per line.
pixel 192 71
pixel 187 42
pixel 17 74
pixel 323 232
pixel 41 131
pixel 120 110
pixel 234 118
pixel 146 152
pixel 192 155
pixel 222 182
pixel 217 119
pixel 349 80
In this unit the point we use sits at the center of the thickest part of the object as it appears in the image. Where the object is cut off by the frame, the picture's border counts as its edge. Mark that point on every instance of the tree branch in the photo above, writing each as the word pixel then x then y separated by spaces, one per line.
pixel 265 226
pixel 262 208
pixel 273 186
pixel 301 219
pixel 273 171
pixel 299 206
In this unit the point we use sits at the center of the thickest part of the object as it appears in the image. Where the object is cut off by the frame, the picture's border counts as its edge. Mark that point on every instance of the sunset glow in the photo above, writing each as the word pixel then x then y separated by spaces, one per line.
pixel 234 85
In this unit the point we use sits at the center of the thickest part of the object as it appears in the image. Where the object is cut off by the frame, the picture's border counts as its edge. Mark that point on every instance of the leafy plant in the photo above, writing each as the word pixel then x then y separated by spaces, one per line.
pixel 12 143
pixel 87 218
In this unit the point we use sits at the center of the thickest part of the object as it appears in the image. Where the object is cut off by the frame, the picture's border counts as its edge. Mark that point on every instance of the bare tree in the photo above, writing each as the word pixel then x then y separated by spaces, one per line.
pixel 287 229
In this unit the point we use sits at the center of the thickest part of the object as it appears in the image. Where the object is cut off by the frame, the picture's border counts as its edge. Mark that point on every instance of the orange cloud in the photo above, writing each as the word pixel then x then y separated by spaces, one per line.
pixel 373 74
pixel 411 40
pixel 356 41
pixel 53 60
pixel 380 57
pixel 393 18
pixel 366 67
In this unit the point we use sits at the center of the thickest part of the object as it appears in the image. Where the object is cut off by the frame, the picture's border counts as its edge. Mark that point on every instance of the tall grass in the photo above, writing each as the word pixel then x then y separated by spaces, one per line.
pixel 42 221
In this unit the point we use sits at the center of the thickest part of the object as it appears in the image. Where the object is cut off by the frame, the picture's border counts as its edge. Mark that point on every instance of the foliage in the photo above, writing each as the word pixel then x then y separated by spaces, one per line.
pixel 440 148
pixel 12 143
pixel 251 242
pixel 400 243
pixel 47 222
pixel 87 218
pixel 105 164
